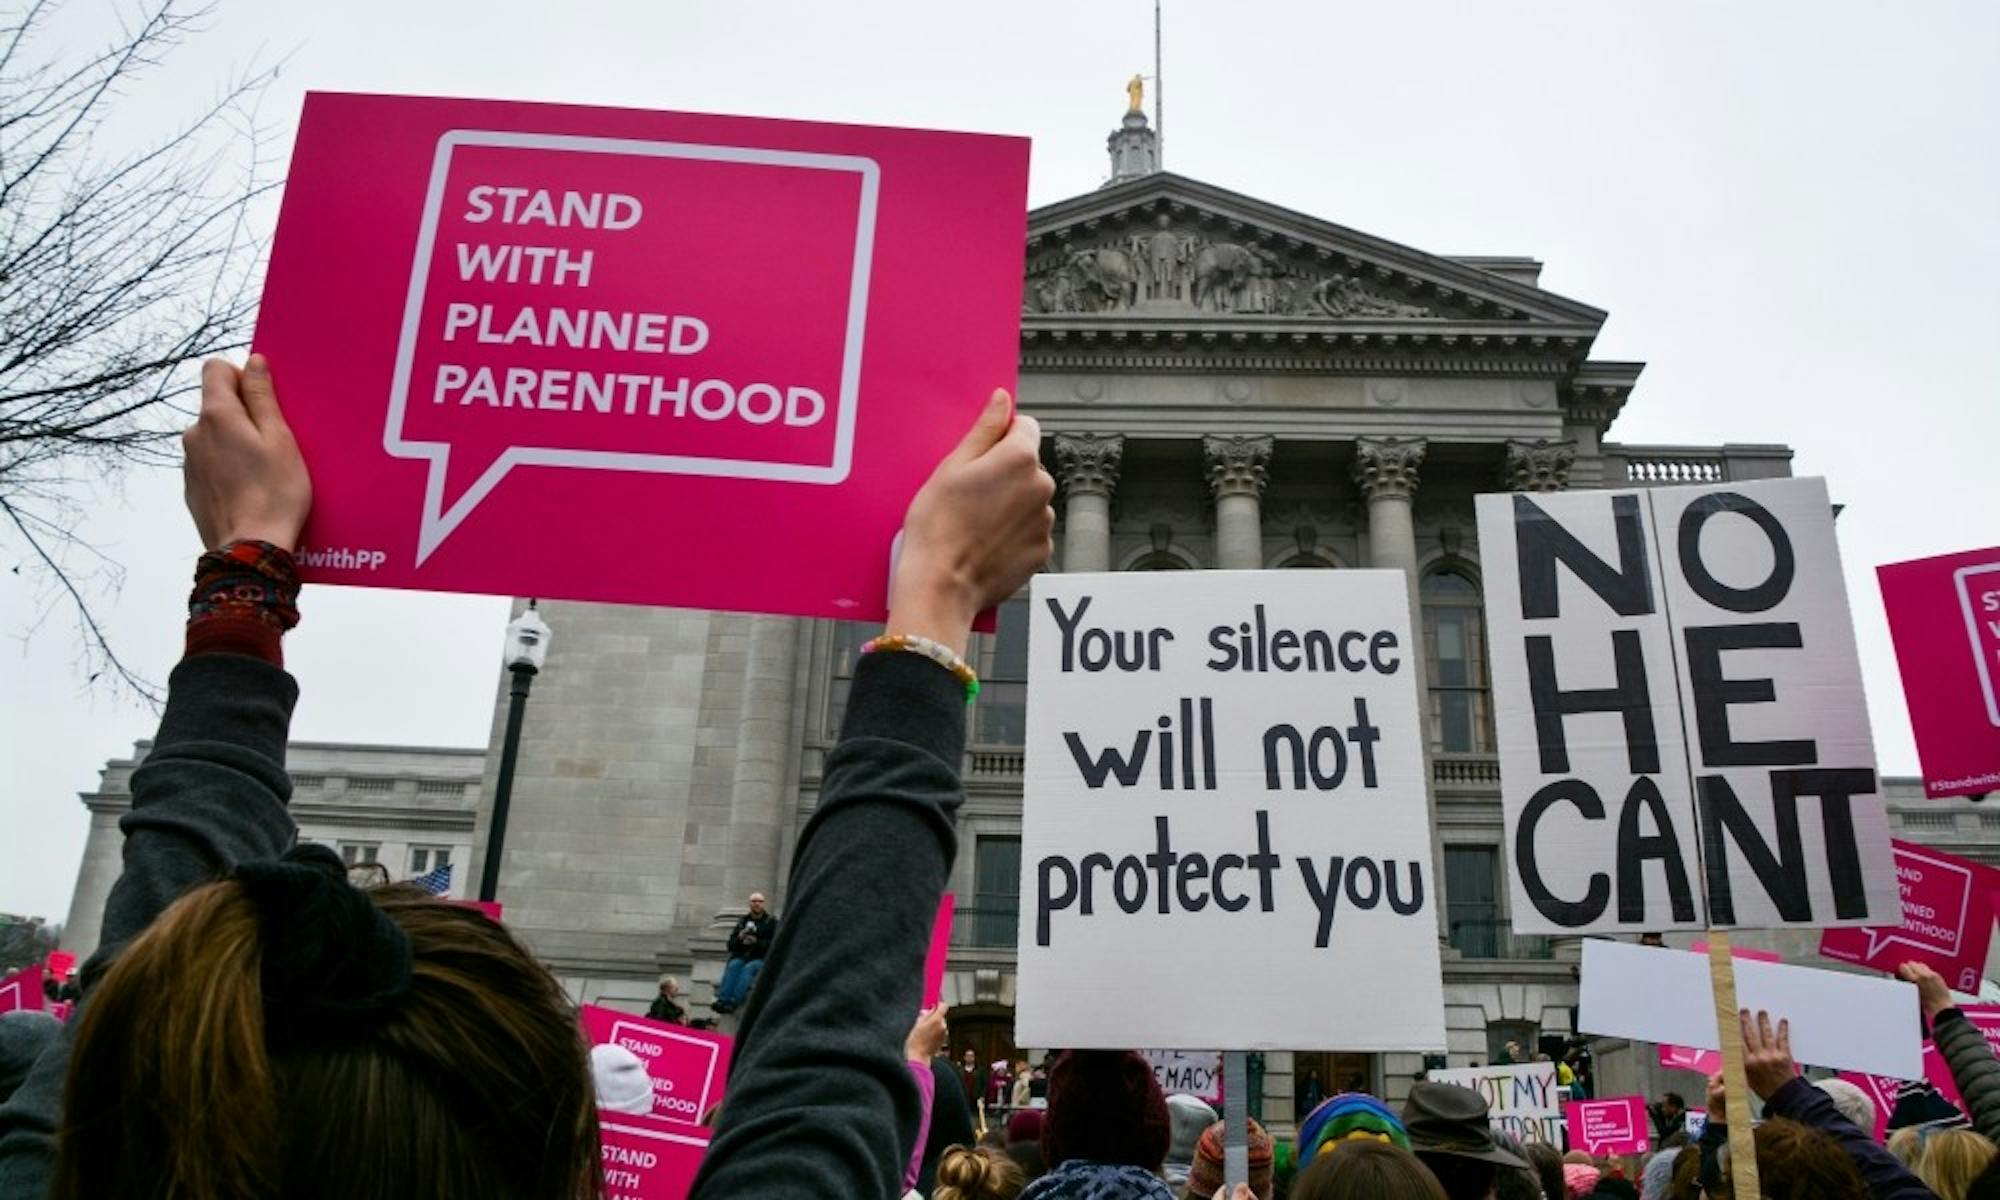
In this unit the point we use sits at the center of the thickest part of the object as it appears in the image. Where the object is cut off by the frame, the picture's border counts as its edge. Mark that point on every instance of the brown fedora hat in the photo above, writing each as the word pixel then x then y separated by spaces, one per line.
pixel 1443 1118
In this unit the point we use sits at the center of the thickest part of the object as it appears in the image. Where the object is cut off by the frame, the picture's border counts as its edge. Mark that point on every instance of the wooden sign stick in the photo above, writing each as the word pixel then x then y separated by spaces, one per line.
pixel 1735 1088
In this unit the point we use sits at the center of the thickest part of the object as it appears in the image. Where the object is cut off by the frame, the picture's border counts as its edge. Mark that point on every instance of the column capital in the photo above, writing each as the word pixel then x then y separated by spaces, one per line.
pixel 1087 463
pixel 1537 466
pixel 1386 467
pixel 1238 464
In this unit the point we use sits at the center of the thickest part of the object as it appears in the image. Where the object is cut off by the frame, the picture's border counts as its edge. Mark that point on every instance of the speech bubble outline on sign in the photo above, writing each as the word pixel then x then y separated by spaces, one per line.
pixel 1980 652
pixel 650 1035
pixel 440 517
pixel 1880 936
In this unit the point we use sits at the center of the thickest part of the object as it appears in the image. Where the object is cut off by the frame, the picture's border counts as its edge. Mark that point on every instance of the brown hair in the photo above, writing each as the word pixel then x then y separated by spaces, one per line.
pixel 473 1083
pixel 1365 1170
pixel 977 1174
pixel 1908 1147
pixel 1952 1159
pixel 1686 1181
pixel 1795 1162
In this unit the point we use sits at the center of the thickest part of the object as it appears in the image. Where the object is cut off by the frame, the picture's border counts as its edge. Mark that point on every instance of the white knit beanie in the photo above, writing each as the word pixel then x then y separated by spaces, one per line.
pixel 621 1079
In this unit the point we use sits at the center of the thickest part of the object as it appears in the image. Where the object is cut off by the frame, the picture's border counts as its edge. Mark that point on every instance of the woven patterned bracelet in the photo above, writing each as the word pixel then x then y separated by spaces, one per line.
pixel 939 653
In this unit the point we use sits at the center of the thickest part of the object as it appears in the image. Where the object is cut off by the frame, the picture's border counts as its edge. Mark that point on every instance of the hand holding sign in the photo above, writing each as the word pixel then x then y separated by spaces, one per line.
pixel 1932 994
pixel 245 478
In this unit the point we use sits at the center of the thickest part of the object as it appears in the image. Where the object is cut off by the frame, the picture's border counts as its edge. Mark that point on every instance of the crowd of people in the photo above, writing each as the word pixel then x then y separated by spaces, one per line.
pixel 254 1025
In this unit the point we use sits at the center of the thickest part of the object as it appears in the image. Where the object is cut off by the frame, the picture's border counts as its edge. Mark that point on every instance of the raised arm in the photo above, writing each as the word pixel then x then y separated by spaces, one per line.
pixel 1964 1047
pixel 212 792
pixel 824 1030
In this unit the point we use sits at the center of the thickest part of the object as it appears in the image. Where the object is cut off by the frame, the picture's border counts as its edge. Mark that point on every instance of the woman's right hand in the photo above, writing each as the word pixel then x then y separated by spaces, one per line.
pixel 245 479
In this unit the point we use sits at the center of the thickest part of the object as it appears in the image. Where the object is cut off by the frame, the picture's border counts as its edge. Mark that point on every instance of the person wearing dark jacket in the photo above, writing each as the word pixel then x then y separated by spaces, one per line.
pixel 666 1006
pixel 1964 1047
pixel 748 942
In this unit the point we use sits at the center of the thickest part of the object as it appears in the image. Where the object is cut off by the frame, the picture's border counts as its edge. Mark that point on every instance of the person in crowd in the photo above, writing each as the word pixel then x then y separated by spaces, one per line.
pixel 749 940
pixel 1311 1092
pixel 1038 1082
pixel 1964 1048
pixel 1187 1117
pixel 1795 1162
pixel 1952 1159
pixel 1510 1053
pixel 1106 1130
pixel 1908 1146
pixel 1365 1169
pixel 620 1080
pixel 312 1022
pixel 1851 1101
pixel 977 1174
pixel 666 1005
pixel 1581 1085
pixel 1658 1173
pixel 1669 1113
pixel 1020 1093
pixel 925 1042
pixel 1580 1178
pixel 1613 1186
pixel 1205 1178
pixel 951 1121
pixel 1516 1183
pixel 1547 1163
pixel 971 1077
pixel 1349 1116
pixel 1450 1133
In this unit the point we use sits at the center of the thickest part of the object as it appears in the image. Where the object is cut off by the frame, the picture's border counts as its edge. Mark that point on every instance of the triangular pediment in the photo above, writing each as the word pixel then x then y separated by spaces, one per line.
pixel 1166 248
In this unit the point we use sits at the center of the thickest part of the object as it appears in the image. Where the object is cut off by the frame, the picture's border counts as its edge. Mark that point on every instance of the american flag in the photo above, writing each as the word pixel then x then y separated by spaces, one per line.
pixel 437 882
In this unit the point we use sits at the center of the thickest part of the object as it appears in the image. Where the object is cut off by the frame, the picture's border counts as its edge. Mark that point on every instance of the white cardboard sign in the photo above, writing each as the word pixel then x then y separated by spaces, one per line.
pixel 1223 769
pixel 1684 742
pixel 1521 1100
pixel 1863 1023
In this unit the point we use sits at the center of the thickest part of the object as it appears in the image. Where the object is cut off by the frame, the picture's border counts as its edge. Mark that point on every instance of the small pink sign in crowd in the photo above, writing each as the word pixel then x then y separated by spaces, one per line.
pixel 1615 1126
pixel 1882 1088
pixel 646 1158
pixel 495 323
pixel 688 1067
pixel 1947 919
pixel 1944 614
pixel 22 990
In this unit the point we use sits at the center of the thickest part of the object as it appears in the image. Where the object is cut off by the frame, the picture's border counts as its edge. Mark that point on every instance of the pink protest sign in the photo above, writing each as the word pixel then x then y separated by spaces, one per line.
pixel 1882 1088
pixel 646 1158
pixel 1616 1126
pixel 712 357
pixel 1947 919
pixel 688 1066
pixel 934 959
pixel 490 909
pixel 61 963
pixel 22 990
pixel 1944 614
pixel 1708 1062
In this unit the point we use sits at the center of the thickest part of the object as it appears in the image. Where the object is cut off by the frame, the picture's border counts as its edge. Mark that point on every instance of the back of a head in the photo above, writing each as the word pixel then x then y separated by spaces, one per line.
pixel 1366 1170
pixel 1908 1147
pixel 1795 1162
pixel 971 1173
pixel 270 1035
pixel 1105 1107
pixel 1547 1162
pixel 1187 1117
pixel 1952 1159
pixel 1852 1102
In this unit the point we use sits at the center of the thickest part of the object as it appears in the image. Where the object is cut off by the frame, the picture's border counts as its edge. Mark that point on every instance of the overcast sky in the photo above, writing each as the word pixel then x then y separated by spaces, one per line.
pixel 1790 210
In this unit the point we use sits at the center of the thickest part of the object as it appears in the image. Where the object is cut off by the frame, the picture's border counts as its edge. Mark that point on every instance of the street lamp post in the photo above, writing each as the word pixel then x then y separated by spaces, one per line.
pixel 527 648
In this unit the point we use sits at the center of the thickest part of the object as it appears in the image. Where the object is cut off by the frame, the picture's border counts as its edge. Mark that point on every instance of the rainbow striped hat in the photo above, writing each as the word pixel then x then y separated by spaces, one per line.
pixel 1348 1115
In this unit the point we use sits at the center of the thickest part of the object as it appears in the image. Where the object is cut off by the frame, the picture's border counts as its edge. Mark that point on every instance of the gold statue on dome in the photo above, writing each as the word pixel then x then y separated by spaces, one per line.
pixel 1135 91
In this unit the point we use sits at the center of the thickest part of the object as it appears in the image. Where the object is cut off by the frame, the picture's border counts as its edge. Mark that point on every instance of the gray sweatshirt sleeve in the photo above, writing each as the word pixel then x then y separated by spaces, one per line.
pixel 211 794
pixel 820 1102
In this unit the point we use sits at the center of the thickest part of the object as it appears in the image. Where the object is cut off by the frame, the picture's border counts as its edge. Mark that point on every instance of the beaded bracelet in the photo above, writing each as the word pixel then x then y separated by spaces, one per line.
pixel 939 653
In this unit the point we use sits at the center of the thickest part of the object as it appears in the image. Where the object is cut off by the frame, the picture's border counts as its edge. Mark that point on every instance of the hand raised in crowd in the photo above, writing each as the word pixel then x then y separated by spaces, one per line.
pixel 1718 1099
pixel 1767 1055
pixel 926 1036
pixel 245 479
pixel 1933 996
pixel 976 530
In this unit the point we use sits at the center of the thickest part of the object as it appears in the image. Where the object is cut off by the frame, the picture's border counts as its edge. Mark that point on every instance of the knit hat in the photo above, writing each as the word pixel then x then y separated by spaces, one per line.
pixel 1579 1180
pixel 1918 1102
pixel 1348 1115
pixel 1852 1102
pixel 1025 1126
pixel 1206 1175
pixel 1659 1173
pixel 1080 1180
pixel 1105 1107
pixel 621 1079
pixel 1189 1115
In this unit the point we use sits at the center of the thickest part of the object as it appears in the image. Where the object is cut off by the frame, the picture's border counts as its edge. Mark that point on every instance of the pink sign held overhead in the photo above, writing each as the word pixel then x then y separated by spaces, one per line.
pixel 1708 1062
pixel 940 950
pixel 1615 1126
pixel 22 990
pixel 712 356
pixel 1944 614
pixel 688 1067
pixel 1947 919
pixel 646 1158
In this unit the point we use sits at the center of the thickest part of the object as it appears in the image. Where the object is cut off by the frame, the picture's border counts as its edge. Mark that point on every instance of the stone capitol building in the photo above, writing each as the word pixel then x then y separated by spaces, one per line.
pixel 1223 384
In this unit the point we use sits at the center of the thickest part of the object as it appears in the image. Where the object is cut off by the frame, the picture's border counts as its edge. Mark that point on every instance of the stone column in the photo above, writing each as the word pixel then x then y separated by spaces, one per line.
pixel 1237 471
pixel 1537 466
pixel 1385 470
pixel 1087 467
pixel 763 750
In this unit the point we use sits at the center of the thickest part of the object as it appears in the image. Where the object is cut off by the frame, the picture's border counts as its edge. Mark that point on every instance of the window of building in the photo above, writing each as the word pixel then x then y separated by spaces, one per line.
pixel 1472 900
pixel 1989 820
pixel 1931 822
pixel 424 859
pixel 994 919
pixel 847 639
pixel 1454 633
pixel 355 853
pixel 1000 714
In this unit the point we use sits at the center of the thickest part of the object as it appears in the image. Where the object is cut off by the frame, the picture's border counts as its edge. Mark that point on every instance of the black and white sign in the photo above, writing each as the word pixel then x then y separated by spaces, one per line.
pixel 1223 824
pixel 1683 737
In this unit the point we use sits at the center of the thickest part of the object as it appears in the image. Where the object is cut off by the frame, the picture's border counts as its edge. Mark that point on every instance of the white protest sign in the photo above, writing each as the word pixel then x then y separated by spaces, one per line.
pixel 1683 737
pixel 1223 773
pixel 1197 1073
pixel 1521 1100
pixel 1854 1022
